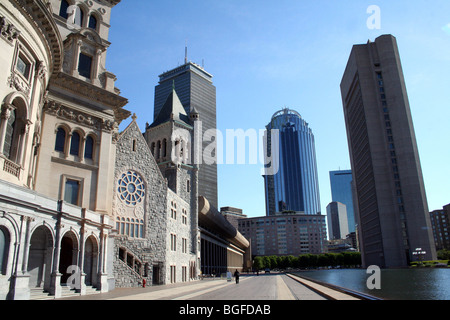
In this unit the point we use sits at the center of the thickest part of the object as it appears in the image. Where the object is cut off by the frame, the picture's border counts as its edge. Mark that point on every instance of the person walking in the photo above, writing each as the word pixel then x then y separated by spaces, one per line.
pixel 236 275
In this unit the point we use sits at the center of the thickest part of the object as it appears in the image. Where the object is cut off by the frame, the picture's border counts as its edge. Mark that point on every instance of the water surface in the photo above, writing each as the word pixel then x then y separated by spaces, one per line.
pixel 396 284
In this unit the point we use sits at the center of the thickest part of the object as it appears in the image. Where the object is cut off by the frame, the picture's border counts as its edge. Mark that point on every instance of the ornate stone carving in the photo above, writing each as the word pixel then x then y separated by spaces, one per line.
pixel 16 82
pixel 41 70
pixel 56 109
pixel 8 31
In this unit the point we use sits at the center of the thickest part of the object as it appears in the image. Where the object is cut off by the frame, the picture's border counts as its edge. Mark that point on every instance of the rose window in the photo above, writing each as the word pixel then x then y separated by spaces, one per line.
pixel 131 188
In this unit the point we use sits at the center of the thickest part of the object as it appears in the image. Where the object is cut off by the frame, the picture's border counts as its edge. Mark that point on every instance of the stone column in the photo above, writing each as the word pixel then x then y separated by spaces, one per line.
pixel 55 284
pixel 102 280
pixel 22 142
pixel 19 282
pixel 76 58
pixel 67 145
pixel 26 248
pixel 95 67
pixel 81 149
pixel 82 287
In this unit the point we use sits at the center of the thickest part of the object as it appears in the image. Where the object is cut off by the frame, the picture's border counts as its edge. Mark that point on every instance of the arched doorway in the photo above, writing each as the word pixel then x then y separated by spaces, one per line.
pixel 40 258
pixel 4 249
pixel 90 261
pixel 68 255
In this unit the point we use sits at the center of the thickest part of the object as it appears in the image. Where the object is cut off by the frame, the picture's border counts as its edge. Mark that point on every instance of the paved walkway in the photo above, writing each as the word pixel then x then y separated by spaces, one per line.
pixel 263 287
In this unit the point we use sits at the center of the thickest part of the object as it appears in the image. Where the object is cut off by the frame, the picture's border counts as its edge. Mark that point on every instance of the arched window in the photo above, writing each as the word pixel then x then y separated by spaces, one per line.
pixel 89 148
pixel 75 144
pixel 4 245
pixel 60 142
pixel 127 227
pixel 14 124
pixel 92 22
pixel 136 229
pixel 141 229
pixel 164 148
pixel 122 226
pixel 9 137
pixel 131 188
pixel 132 228
pixel 152 148
pixel 63 9
pixel 158 149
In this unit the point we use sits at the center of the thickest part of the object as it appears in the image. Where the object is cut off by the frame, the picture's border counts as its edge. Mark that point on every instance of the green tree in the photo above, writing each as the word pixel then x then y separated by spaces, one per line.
pixel 331 259
pixel 273 262
pixel 322 260
pixel 258 263
pixel 443 254
pixel 266 262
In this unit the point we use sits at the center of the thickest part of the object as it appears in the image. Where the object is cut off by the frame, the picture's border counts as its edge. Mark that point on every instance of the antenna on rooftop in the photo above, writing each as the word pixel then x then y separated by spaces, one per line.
pixel 186 53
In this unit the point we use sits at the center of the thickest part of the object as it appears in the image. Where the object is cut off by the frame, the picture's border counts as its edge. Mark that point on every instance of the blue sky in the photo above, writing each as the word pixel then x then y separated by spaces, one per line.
pixel 267 55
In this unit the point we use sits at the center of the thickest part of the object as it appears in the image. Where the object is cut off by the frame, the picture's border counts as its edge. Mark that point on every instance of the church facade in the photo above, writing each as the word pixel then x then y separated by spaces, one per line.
pixel 154 210
pixel 83 207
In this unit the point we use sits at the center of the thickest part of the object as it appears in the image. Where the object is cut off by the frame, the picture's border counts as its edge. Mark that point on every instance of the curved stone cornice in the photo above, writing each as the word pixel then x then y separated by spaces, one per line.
pixel 112 2
pixel 39 15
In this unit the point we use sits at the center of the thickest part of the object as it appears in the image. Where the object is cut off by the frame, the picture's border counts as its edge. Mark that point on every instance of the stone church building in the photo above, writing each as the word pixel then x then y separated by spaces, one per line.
pixel 84 207
pixel 156 201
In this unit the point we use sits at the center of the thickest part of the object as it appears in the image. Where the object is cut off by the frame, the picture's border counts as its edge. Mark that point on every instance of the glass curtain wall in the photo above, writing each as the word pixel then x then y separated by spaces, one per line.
pixel 295 186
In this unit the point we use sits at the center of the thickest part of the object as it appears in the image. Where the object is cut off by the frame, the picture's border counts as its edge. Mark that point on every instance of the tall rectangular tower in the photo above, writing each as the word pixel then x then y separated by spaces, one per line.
pixel 195 89
pixel 341 191
pixel 337 220
pixel 392 206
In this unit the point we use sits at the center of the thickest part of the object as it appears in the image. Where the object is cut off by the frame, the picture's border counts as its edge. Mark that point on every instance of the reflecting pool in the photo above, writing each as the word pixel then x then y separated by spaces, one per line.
pixel 396 284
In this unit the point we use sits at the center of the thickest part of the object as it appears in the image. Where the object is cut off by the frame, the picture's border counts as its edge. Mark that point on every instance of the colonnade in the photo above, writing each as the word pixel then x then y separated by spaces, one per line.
pixel 39 252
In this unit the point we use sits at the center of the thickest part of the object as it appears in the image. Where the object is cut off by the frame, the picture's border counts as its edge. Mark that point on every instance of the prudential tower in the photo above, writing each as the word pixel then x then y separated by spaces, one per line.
pixel 294 186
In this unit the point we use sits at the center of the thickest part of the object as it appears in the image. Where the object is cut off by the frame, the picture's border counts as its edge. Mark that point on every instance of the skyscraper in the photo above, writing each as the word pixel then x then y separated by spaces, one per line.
pixel 341 191
pixel 295 186
pixel 195 89
pixel 392 206
pixel 337 220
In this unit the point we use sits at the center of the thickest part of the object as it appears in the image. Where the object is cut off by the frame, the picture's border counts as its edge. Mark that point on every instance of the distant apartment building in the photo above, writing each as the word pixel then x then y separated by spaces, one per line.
pixel 393 217
pixel 288 234
pixel 232 215
pixel 440 222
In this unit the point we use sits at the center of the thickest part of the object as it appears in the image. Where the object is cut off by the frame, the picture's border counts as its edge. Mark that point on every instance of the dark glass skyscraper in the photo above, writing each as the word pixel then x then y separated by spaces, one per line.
pixel 294 187
pixel 341 191
pixel 195 89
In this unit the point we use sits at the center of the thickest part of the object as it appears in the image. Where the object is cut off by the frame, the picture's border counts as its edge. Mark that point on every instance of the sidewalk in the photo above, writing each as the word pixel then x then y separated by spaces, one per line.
pixel 263 287
pixel 179 291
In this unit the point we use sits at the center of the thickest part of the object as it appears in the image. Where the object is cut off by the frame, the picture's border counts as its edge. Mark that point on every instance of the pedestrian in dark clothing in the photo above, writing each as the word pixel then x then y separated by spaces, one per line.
pixel 236 275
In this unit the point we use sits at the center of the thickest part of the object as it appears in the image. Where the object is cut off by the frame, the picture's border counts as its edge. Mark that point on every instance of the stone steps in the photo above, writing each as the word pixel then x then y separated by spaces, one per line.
pixel 66 292
pixel 39 294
